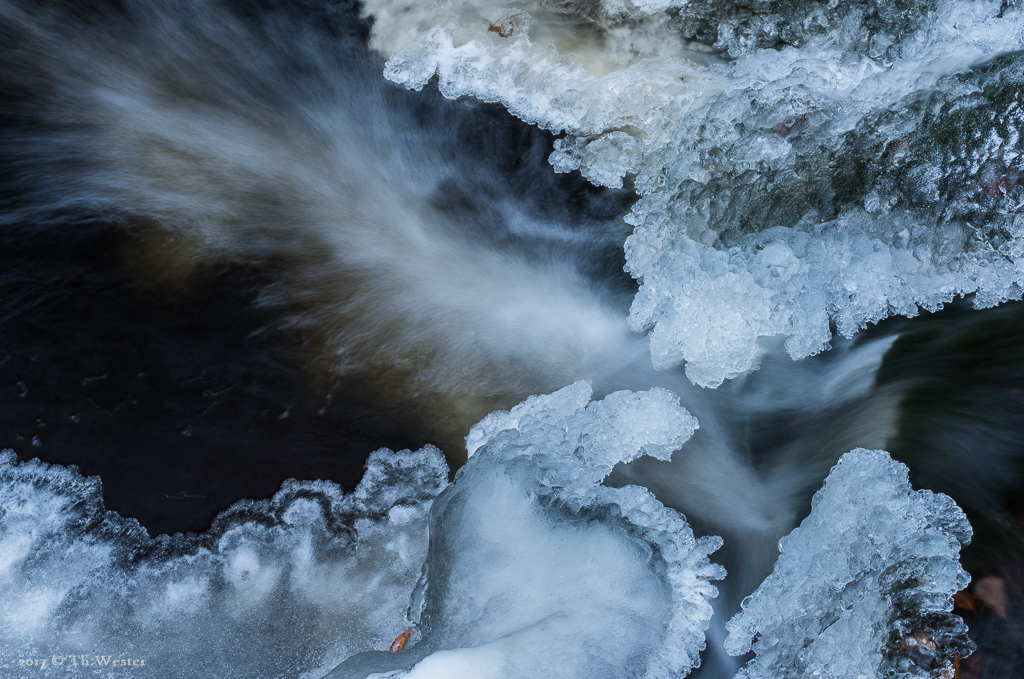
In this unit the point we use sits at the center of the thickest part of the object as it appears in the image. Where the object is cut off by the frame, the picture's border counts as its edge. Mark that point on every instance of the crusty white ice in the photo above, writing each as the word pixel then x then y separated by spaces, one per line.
pixel 535 569
pixel 863 588
pixel 801 164
pixel 532 568
pixel 283 587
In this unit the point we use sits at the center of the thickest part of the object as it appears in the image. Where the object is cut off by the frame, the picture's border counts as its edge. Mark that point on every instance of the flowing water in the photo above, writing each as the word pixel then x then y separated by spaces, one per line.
pixel 233 253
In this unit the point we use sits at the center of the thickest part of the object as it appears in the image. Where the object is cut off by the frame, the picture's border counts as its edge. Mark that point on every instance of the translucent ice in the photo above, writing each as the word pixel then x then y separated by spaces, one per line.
pixel 281 587
pixel 863 588
pixel 535 569
pixel 801 164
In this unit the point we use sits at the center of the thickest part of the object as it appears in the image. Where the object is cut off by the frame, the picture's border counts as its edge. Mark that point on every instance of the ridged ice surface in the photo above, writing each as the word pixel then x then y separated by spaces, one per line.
pixel 800 164
pixel 863 588
pixel 535 569
pixel 283 587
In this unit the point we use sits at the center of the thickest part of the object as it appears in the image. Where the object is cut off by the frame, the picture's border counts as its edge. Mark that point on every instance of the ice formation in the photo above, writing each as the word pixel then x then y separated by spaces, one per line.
pixel 283 587
pixel 535 569
pixel 863 588
pixel 800 163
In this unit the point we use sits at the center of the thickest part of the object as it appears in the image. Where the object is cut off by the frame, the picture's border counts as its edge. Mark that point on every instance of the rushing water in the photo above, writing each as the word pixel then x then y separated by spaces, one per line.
pixel 233 253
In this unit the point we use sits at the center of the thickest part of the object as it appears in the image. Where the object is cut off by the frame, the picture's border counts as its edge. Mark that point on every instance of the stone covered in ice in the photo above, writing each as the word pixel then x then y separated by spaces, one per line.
pixel 282 587
pixel 830 163
pixel 535 569
pixel 604 81
pixel 863 588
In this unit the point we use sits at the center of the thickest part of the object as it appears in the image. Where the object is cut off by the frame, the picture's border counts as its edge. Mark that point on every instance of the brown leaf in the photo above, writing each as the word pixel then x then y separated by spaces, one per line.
pixel 792 125
pixel 919 639
pixel 992 592
pixel 998 187
pixel 951 670
pixel 966 601
pixel 896 149
pixel 398 645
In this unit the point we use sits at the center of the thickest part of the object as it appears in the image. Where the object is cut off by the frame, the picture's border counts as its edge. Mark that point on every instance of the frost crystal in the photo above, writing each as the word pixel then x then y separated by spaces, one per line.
pixel 863 587
pixel 800 163
pixel 535 569
pixel 281 587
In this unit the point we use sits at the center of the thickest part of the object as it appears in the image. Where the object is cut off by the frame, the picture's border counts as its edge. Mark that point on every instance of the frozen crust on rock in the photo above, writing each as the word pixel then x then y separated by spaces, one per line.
pixel 863 588
pixel 282 587
pixel 807 165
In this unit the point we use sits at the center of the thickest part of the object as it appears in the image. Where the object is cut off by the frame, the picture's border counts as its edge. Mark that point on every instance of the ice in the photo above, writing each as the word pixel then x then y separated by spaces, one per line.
pixel 604 80
pixel 535 569
pixel 801 165
pixel 863 588
pixel 288 586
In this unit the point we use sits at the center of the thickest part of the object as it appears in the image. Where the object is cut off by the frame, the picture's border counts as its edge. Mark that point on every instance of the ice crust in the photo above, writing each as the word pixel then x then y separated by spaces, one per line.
pixel 808 164
pixel 535 569
pixel 532 567
pixel 283 587
pixel 863 588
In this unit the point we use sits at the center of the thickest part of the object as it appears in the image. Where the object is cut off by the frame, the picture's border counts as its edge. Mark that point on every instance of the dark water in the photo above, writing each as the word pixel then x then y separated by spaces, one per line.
pixel 177 382
pixel 182 401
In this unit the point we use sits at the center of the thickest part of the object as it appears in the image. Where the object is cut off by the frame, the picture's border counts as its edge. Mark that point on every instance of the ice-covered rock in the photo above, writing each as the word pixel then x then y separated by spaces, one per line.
pixel 604 81
pixel 803 164
pixel 535 569
pixel 283 587
pixel 863 588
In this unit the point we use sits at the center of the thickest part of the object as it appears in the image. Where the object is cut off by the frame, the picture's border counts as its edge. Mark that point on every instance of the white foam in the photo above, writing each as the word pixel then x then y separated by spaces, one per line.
pixel 266 142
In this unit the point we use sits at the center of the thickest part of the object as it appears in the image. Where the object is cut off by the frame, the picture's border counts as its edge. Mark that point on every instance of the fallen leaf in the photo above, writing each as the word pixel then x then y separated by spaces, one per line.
pixel 398 645
pixel 790 126
pixel 992 592
pixel 896 149
pixel 919 639
pixel 997 188
pixel 966 601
